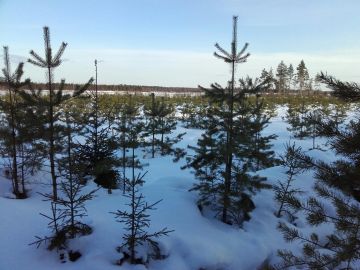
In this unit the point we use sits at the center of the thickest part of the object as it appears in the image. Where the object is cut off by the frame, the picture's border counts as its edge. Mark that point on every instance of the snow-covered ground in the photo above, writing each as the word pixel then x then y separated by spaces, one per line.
pixel 197 242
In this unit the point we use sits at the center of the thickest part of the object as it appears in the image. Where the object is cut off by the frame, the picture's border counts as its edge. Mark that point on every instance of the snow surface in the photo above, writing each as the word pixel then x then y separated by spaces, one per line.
pixel 197 242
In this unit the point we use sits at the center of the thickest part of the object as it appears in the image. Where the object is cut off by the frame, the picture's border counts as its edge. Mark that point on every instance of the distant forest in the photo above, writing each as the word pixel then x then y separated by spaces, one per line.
pixel 118 87
pixel 285 79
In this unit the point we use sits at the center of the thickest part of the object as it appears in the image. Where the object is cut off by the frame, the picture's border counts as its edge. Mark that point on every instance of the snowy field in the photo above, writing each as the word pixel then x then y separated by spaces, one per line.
pixel 197 242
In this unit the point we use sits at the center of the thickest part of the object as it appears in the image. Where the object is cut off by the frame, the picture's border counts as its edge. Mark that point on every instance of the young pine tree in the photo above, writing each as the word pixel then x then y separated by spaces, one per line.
pixel 128 120
pixel 98 150
pixel 52 100
pixel 261 156
pixel 136 219
pixel 10 123
pixel 296 118
pixel 312 121
pixel 69 208
pixel 284 190
pixel 336 188
pixel 161 122
pixel 207 164
pixel 228 138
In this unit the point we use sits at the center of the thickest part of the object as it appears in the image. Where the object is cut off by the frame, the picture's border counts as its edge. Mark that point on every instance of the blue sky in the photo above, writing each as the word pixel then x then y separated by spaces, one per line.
pixel 170 42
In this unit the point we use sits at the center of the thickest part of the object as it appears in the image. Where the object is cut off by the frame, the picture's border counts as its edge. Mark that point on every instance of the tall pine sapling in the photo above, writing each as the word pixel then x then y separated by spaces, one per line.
pixel 10 122
pixel 231 141
pixel 136 219
pixel 128 120
pixel 69 209
pixel 54 99
pixel 233 58
pixel 97 152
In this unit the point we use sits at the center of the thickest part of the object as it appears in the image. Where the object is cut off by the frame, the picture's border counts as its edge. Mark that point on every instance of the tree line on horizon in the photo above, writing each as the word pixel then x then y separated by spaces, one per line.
pixel 111 87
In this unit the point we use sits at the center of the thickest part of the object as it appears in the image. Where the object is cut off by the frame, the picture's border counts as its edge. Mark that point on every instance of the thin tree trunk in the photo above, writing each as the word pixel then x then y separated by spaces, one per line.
pixel 51 137
pixel 72 213
pixel 153 125
pixel 96 116
pixel 133 231
pixel 229 150
pixel 23 170
pixel 124 159
pixel 14 143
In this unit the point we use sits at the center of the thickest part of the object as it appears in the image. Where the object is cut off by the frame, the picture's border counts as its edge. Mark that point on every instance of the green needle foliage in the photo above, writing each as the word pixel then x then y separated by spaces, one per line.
pixel 50 102
pixel 136 219
pixel 129 126
pixel 284 190
pixel 11 122
pixel 337 187
pixel 97 152
pixel 225 153
pixel 161 122
pixel 69 208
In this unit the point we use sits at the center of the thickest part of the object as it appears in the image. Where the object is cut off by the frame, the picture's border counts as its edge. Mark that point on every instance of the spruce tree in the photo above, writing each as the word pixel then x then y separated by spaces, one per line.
pixel 54 98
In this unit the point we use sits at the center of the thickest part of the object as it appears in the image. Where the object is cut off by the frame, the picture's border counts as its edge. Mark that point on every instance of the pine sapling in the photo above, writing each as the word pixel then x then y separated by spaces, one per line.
pixel 136 221
pixel 54 99
pixel 284 191
pixel 10 123
pixel 69 208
